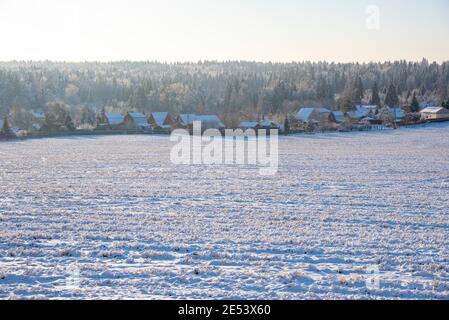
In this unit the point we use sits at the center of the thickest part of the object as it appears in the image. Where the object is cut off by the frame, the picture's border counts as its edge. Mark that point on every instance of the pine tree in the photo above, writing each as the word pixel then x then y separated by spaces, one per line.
pixel 414 106
pixel 375 99
pixel 392 99
pixel 358 91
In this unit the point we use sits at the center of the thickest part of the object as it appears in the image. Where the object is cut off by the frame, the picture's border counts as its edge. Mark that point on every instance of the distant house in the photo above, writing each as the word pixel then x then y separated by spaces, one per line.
pixel 259 125
pixel 314 115
pixel 161 121
pixel 136 121
pixel 111 120
pixel 209 122
pixel 361 112
pixel 37 121
pixel 396 114
pixel 434 114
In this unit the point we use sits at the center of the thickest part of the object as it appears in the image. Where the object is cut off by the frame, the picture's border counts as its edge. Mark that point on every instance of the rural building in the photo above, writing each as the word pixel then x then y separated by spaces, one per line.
pixel 314 115
pixel 37 121
pixel 259 125
pixel 111 121
pixel 209 122
pixel 395 114
pixel 362 112
pixel 161 121
pixel 434 114
pixel 136 121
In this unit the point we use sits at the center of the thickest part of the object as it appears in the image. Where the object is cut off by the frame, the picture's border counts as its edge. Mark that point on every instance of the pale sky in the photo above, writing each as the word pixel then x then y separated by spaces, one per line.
pixel 192 30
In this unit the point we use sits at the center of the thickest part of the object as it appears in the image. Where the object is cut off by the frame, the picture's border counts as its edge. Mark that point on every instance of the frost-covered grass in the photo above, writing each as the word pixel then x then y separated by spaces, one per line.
pixel 111 217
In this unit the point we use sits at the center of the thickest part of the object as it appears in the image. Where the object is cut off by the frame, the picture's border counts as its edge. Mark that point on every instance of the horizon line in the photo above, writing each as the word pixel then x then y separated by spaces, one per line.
pixel 221 61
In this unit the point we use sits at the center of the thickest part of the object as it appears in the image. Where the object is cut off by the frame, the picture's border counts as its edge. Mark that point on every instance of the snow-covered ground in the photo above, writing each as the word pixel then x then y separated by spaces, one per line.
pixel 354 215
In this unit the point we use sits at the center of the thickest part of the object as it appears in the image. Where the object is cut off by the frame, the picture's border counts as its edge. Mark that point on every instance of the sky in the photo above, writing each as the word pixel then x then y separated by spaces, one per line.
pixel 193 30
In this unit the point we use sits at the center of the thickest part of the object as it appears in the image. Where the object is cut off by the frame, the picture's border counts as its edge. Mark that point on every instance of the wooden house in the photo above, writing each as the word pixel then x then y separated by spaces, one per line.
pixel 161 121
pixel 111 121
pixel 136 121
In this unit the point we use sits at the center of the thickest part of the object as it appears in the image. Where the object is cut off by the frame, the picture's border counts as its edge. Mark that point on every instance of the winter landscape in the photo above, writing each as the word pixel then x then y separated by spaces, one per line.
pixel 224 150
pixel 349 215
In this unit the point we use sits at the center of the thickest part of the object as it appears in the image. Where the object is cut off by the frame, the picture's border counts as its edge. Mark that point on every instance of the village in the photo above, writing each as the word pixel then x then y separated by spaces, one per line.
pixel 306 120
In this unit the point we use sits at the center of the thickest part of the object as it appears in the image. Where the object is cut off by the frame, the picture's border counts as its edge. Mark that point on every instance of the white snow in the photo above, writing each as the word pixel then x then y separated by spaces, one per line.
pixel 111 217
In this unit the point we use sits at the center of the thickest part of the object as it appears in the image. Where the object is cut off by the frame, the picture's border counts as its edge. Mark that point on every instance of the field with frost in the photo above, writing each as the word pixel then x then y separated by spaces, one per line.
pixel 111 217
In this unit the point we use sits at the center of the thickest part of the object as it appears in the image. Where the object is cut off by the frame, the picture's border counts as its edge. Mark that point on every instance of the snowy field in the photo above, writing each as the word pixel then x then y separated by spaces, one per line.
pixel 353 215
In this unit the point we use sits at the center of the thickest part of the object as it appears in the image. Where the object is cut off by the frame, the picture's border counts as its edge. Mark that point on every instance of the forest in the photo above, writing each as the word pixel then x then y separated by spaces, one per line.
pixel 234 89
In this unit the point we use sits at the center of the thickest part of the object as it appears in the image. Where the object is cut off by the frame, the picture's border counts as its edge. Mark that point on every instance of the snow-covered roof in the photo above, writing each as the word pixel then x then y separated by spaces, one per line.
pixel 339 116
pixel 114 118
pixel 248 124
pixel 210 119
pixel 305 113
pixel 268 123
pixel 139 119
pixel 432 110
pixel 159 118
pixel 262 123
pixel 360 112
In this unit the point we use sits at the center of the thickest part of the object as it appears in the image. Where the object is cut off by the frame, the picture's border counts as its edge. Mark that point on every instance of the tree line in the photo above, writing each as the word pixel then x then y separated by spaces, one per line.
pixel 235 90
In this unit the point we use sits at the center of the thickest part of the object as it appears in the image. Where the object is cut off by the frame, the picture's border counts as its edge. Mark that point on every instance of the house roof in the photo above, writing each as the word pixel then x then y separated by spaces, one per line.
pixel 254 124
pixel 248 124
pixel 211 119
pixel 139 119
pixel 268 123
pixel 305 113
pixel 432 110
pixel 114 118
pixel 159 118
pixel 339 116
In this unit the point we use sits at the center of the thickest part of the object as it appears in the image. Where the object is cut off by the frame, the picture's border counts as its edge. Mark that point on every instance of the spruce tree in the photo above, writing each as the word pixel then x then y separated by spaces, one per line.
pixel 414 106
pixel 359 91
pixel 392 99
pixel 375 99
